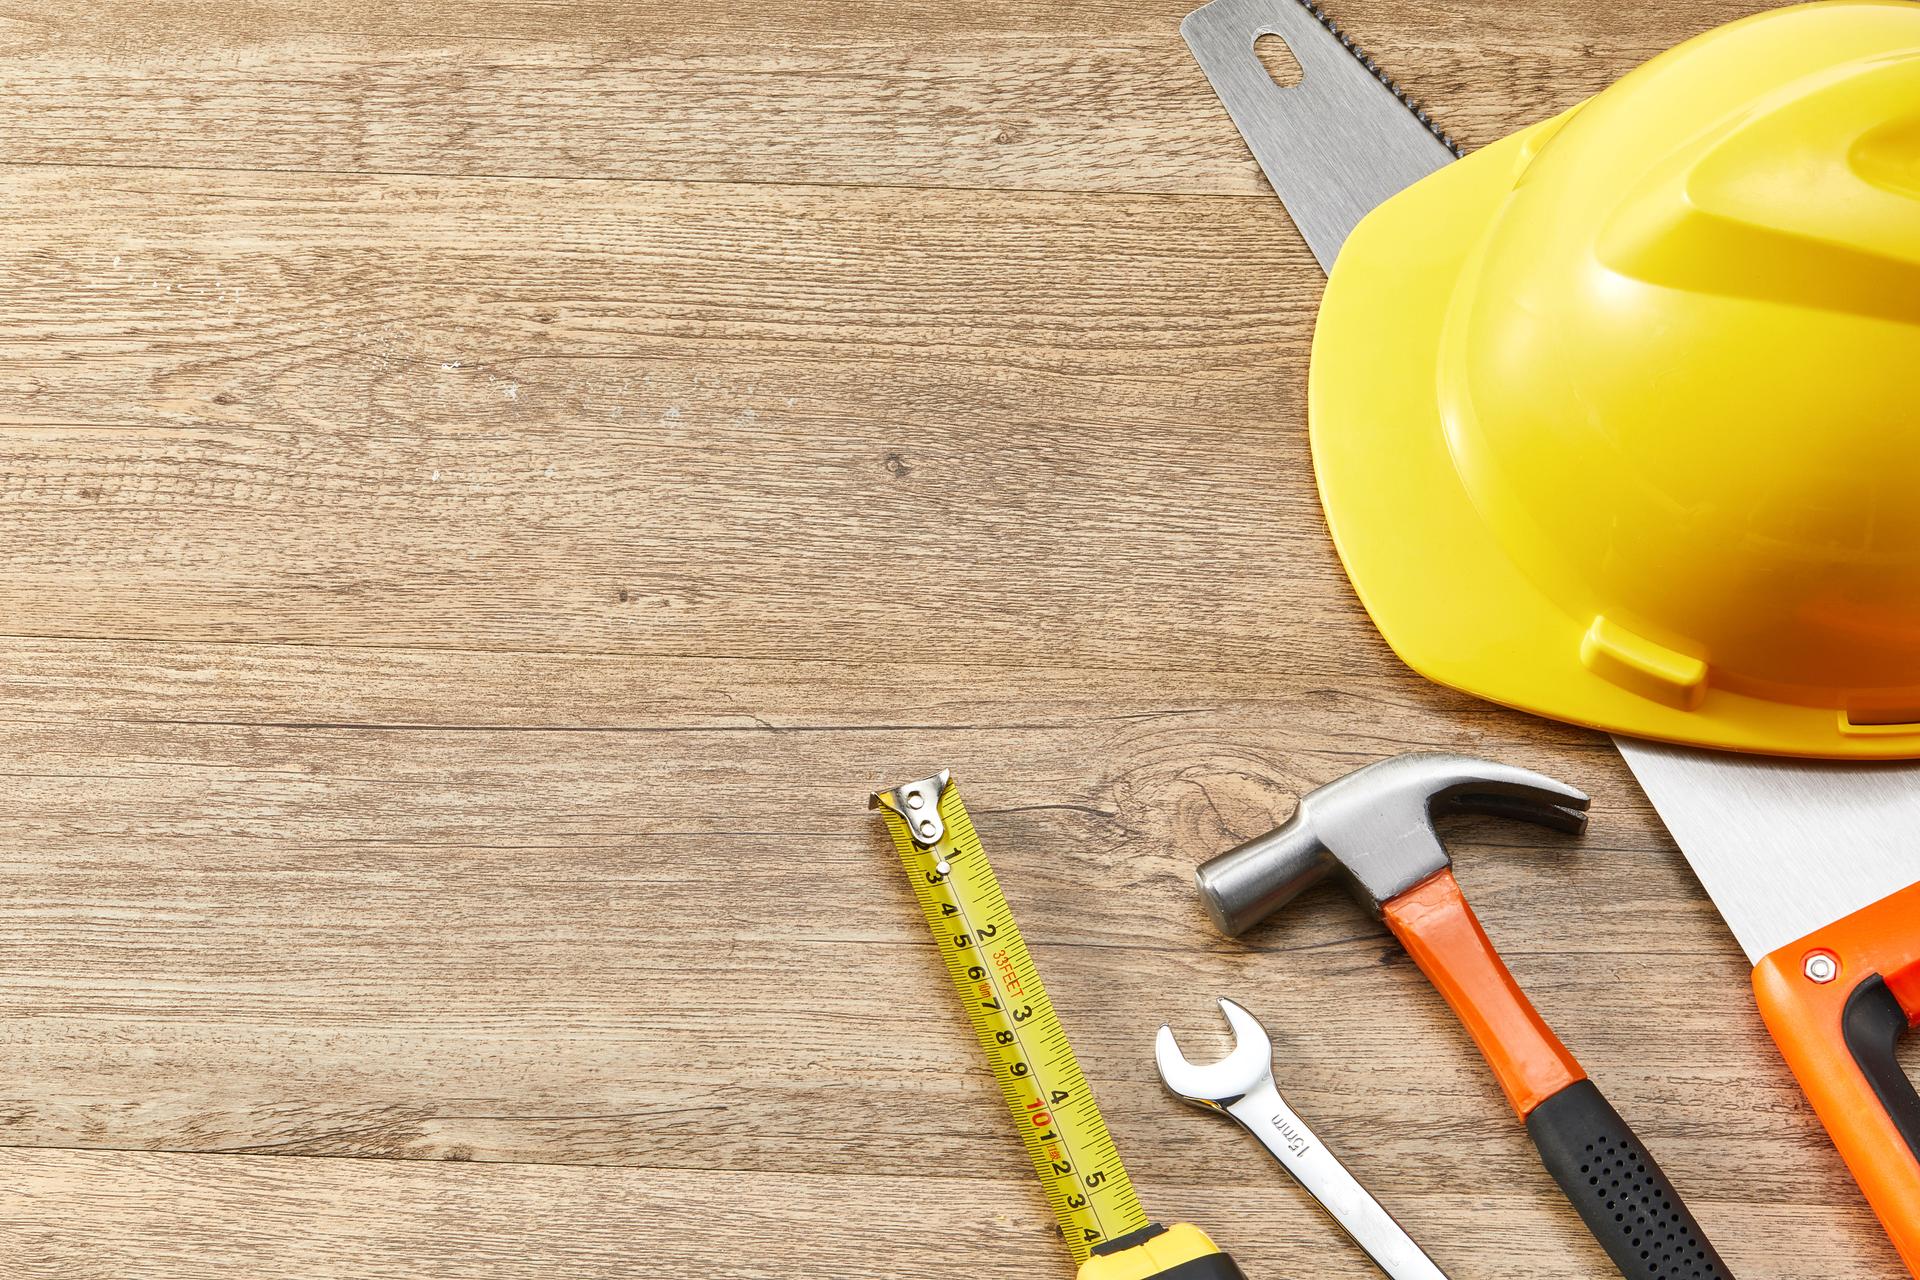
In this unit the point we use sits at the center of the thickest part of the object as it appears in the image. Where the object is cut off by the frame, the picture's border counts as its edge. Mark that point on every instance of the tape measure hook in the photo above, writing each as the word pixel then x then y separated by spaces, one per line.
pixel 919 803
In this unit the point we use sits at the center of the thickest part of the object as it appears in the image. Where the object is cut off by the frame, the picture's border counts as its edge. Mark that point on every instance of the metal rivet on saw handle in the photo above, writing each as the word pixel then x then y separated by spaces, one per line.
pixel 1821 967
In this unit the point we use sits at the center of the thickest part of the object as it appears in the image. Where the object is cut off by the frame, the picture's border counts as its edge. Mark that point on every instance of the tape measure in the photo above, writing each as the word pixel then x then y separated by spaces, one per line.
pixel 1053 1108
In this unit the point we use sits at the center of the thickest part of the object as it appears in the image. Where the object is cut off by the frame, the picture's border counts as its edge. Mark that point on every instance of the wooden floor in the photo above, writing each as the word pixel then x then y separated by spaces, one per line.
pixel 470 471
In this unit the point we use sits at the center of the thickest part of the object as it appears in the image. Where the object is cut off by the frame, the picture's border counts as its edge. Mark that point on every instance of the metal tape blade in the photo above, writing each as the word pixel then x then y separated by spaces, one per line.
pixel 993 973
pixel 1785 847
pixel 1333 146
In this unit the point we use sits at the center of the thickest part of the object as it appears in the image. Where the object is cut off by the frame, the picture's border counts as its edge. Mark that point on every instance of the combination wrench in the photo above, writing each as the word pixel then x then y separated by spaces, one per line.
pixel 1241 1086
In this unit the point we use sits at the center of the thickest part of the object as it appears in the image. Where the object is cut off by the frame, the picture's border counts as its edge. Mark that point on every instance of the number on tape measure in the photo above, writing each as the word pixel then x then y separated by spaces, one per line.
pixel 1053 1109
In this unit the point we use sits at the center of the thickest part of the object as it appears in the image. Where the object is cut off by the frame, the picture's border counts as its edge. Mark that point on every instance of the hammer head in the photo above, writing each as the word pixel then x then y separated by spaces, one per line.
pixel 1374 830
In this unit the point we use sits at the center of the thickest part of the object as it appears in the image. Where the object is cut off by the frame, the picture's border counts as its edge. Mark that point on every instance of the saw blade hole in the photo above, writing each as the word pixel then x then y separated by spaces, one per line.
pixel 1278 59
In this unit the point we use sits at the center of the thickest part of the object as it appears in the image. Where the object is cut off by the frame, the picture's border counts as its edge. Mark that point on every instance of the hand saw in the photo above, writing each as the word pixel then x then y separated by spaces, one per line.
pixel 1815 865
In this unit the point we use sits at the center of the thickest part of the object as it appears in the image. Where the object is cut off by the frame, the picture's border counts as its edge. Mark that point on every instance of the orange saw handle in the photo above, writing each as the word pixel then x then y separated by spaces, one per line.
pixel 1837 1003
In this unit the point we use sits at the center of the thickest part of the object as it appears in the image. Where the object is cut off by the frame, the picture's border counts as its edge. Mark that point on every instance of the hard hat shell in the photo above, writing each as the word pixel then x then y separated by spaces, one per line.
pixel 1618 420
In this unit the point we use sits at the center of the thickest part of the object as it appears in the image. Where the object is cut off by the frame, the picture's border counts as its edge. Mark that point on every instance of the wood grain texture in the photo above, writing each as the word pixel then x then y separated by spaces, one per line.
pixel 88 1216
pixel 1084 97
pixel 463 477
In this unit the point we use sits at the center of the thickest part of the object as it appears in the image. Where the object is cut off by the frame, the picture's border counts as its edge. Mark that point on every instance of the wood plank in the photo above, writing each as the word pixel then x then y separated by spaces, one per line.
pixel 81 1216
pixel 609 910
pixel 118 1216
pixel 1070 97
pixel 695 420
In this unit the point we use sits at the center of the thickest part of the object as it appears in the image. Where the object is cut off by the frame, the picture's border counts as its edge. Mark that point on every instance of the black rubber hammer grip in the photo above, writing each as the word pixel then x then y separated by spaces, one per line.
pixel 1609 1177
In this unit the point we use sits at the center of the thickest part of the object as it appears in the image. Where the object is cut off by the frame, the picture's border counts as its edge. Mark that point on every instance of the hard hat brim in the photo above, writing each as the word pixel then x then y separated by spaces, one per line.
pixel 1446 596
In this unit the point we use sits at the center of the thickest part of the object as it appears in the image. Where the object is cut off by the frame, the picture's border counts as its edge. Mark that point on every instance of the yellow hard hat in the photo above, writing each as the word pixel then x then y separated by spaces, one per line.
pixel 1618 420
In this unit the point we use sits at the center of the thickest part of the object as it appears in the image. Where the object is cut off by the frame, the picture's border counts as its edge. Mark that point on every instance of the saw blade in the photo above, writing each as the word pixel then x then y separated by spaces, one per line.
pixel 1334 145
pixel 1785 847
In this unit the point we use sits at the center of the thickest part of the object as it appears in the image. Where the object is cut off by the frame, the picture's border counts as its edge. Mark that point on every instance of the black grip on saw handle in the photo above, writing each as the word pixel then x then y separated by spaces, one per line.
pixel 1614 1183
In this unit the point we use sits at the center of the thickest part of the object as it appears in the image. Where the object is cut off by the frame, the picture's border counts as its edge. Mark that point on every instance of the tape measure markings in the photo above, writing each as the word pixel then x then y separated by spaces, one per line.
pixel 1013 1018
pixel 1002 999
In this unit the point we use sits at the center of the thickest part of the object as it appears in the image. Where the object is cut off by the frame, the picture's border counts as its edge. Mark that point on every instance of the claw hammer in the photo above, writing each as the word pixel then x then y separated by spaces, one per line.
pixel 1373 831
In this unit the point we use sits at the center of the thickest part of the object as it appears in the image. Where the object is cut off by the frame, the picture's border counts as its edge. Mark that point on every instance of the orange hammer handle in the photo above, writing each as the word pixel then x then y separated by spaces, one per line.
pixel 1439 930
pixel 1607 1173
pixel 1837 1003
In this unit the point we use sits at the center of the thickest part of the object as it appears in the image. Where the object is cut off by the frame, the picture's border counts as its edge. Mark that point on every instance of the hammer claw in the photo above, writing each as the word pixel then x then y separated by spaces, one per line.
pixel 1506 791
pixel 1559 817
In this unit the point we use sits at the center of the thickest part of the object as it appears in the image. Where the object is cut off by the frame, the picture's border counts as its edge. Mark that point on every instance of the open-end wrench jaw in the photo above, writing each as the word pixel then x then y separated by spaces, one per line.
pixel 1218 1085
pixel 1240 1086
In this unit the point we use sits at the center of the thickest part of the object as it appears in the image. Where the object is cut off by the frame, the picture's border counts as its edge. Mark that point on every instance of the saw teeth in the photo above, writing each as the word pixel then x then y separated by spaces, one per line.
pixel 1347 42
